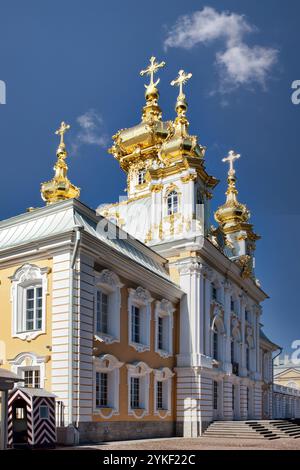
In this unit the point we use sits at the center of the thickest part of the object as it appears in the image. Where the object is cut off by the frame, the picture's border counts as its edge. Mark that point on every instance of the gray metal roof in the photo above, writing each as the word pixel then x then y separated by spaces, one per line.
pixel 9 376
pixel 36 392
pixel 62 217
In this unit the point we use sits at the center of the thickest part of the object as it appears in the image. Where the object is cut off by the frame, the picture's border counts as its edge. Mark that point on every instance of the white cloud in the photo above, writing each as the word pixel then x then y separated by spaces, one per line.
pixel 91 130
pixel 238 63
pixel 243 64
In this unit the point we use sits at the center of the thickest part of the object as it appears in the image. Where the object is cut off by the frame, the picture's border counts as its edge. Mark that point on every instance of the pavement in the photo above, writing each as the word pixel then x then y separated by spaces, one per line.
pixel 200 443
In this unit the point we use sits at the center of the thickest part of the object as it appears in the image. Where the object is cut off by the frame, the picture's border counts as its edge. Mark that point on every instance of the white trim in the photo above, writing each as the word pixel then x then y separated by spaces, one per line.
pixel 142 299
pixel 26 276
pixel 164 309
pixel 142 371
pixel 109 283
pixel 164 375
pixel 110 365
pixel 20 363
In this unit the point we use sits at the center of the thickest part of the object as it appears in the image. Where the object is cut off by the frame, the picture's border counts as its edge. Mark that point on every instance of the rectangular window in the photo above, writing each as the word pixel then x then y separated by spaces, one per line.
pixel 215 395
pixel 32 378
pixel 232 305
pixel 141 177
pixel 232 352
pixel 135 392
pixel 215 345
pixel 160 333
pixel 247 358
pixel 102 312
pixel 33 309
pixel 247 398
pixel 135 324
pixel 101 390
pixel 246 315
pixel 214 292
pixel 233 398
pixel 44 412
pixel 159 395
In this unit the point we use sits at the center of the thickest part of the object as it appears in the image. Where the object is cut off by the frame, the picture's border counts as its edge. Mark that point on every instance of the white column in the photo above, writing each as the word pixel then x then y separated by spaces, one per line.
pixel 207 306
pixel 191 349
pixel 243 369
pixel 227 321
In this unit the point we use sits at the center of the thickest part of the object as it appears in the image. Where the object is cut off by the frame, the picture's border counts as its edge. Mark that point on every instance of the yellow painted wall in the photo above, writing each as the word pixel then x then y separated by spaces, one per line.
pixel 127 354
pixel 11 347
pixel 290 375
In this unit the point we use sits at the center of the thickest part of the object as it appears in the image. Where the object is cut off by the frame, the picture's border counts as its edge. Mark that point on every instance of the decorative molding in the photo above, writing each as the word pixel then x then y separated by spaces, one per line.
pixel 25 276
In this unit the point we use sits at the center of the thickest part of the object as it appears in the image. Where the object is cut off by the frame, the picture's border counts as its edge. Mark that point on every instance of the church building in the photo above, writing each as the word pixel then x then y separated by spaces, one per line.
pixel 140 317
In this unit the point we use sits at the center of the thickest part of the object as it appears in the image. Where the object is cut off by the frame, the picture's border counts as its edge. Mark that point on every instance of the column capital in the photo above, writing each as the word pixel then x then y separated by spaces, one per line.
pixel 227 286
pixel 243 299
pixel 191 266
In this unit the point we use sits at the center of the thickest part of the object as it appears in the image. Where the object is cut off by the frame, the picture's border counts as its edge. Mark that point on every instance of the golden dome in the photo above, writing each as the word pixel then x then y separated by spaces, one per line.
pixel 60 187
pixel 232 213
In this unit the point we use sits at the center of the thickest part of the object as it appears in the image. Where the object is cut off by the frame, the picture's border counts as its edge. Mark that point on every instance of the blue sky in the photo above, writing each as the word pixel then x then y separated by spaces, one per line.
pixel 68 59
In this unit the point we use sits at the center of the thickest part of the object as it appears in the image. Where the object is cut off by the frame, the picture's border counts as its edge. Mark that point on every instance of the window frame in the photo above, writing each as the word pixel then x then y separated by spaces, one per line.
pixel 141 299
pixel 164 310
pixel 172 202
pixel 108 283
pixel 165 376
pixel 28 276
pixel 109 365
pixel 142 371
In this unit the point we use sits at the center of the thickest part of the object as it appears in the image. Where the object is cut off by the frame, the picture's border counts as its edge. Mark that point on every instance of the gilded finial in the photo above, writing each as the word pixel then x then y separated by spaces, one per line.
pixel 231 158
pixel 181 104
pixel 152 112
pixel 181 80
pixel 60 187
pixel 61 131
pixel 151 70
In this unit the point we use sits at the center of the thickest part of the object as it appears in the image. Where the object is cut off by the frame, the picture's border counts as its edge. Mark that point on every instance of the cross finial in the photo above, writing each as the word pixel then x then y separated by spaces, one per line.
pixel 151 70
pixel 181 80
pixel 61 131
pixel 232 156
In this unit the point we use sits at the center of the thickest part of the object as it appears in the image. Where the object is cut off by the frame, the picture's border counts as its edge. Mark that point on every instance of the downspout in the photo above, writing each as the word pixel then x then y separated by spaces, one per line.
pixel 272 389
pixel 77 230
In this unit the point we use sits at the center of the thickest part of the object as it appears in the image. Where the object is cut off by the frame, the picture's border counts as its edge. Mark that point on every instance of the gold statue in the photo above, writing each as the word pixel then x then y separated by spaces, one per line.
pixel 60 188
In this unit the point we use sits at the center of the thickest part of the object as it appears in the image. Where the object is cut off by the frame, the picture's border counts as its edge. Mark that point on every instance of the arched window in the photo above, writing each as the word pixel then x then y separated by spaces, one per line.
pixel 172 202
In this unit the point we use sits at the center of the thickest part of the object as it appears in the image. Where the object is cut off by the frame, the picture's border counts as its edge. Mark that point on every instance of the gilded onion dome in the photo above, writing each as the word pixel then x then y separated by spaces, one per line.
pixel 60 187
pixel 139 142
pixel 180 143
pixel 233 216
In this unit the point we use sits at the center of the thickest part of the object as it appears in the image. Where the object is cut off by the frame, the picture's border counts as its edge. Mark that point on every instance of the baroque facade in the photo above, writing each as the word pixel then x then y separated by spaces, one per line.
pixel 141 318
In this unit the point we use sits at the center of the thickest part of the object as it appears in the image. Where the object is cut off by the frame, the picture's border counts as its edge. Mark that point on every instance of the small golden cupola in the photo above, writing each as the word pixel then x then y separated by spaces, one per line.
pixel 60 188
pixel 233 218
pixel 180 143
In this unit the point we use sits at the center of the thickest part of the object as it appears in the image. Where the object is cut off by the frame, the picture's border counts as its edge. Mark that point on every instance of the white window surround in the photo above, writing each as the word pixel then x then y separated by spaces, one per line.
pixel 109 283
pixel 163 375
pixel 110 365
pixel 29 361
pixel 142 299
pixel 28 275
pixel 164 309
pixel 142 371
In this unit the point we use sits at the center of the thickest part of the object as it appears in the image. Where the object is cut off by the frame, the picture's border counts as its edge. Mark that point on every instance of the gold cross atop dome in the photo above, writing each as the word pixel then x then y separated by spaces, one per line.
pixel 181 80
pixel 62 130
pixel 151 70
pixel 231 158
